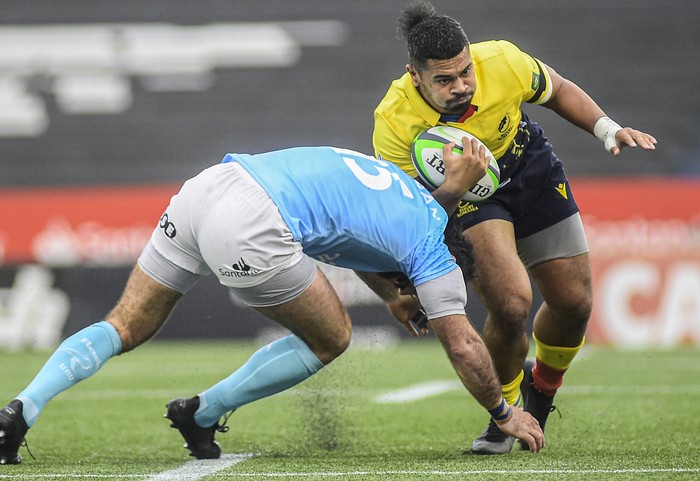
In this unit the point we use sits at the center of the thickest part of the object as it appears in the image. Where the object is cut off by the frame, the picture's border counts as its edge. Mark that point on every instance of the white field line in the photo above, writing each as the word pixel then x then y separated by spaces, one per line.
pixel 439 387
pixel 418 392
pixel 199 468
pixel 190 471
pixel 425 390
pixel 389 474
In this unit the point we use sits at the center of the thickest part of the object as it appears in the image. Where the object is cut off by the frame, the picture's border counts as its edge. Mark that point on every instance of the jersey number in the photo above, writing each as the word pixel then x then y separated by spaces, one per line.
pixel 382 180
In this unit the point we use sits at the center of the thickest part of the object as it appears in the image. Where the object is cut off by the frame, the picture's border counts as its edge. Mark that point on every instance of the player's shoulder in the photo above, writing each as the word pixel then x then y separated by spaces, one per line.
pixel 503 62
pixel 398 118
pixel 396 96
pixel 488 49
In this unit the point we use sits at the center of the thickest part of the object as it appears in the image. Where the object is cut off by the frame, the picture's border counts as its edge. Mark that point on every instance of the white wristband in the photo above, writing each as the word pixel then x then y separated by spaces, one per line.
pixel 605 129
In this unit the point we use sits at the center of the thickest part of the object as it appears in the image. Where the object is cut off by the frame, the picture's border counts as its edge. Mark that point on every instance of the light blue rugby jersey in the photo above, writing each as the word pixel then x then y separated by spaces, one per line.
pixel 352 210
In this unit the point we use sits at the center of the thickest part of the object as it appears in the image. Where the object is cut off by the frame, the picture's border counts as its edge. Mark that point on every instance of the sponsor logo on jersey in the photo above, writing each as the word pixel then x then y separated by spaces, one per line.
pixel 505 127
pixel 504 124
pixel 466 208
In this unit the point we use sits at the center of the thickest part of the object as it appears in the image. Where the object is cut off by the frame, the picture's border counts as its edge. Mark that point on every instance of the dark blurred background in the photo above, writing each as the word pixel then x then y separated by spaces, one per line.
pixel 637 58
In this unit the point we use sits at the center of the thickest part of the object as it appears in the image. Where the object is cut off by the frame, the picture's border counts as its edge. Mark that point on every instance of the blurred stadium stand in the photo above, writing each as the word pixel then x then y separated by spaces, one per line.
pixel 630 55
pixel 143 95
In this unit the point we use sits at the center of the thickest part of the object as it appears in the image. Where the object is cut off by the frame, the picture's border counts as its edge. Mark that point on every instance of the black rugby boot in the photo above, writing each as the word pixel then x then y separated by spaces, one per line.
pixel 200 441
pixel 12 430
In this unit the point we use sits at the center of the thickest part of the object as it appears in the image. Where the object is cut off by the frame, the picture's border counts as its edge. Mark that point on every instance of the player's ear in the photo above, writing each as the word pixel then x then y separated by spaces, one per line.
pixel 414 74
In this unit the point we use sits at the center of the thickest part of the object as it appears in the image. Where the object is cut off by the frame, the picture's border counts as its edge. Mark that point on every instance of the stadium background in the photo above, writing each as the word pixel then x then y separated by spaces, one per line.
pixel 96 134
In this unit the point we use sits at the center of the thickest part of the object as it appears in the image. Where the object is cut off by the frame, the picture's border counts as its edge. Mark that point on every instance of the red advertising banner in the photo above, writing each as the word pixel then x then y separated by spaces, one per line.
pixel 79 226
pixel 644 238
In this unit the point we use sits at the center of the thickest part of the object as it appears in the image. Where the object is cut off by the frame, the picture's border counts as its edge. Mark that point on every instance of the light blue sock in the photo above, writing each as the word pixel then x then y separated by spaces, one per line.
pixel 77 358
pixel 273 368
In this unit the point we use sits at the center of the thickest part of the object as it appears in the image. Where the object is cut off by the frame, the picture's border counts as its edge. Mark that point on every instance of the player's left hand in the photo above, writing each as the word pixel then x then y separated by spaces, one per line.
pixel 629 137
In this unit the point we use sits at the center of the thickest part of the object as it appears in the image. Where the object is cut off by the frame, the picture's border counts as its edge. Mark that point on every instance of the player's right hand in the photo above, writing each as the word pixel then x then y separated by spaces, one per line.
pixel 525 427
pixel 463 171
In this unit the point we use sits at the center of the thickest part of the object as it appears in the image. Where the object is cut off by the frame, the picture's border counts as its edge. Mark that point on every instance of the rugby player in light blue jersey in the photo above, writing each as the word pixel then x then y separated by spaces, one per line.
pixel 256 222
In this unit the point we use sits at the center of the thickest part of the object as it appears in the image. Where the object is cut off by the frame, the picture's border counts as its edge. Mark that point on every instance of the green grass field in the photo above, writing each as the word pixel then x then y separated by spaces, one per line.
pixel 622 415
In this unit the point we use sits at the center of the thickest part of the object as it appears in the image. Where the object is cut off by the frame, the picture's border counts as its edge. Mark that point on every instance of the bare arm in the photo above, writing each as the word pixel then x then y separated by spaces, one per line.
pixel 470 359
pixel 573 104
pixel 382 286
pixel 404 306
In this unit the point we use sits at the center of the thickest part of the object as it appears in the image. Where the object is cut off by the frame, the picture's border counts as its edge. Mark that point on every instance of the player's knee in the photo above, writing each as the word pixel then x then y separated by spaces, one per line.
pixel 580 308
pixel 333 345
pixel 576 306
pixel 327 353
pixel 510 313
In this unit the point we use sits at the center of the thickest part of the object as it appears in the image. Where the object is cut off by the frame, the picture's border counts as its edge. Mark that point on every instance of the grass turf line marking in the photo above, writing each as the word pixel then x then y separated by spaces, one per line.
pixel 417 392
pixel 199 468
pixel 571 390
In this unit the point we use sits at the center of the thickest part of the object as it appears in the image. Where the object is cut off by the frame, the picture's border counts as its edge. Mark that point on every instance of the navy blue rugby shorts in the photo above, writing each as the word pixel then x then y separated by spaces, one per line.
pixel 534 192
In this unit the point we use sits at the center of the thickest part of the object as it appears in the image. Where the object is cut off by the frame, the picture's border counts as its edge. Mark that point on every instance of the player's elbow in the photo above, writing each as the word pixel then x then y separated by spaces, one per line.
pixel 463 350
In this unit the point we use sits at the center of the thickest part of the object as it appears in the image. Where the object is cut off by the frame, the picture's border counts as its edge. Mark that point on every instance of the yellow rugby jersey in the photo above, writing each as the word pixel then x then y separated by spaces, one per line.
pixel 505 78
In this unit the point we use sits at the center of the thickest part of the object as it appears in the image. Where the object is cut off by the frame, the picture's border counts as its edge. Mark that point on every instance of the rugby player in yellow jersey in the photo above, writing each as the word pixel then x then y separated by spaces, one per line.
pixel 532 223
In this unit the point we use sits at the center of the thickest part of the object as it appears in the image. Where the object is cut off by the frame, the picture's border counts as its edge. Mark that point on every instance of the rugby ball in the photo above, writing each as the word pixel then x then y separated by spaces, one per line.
pixel 426 154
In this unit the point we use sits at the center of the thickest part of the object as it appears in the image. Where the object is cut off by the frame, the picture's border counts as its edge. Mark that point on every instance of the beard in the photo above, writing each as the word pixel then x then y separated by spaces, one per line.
pixel 458 105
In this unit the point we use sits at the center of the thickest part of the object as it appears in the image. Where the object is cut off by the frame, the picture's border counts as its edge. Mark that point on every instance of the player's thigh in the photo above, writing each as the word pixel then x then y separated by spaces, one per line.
pixel 317 316
pixel 565 284
pixel 558 261
pixel 500 277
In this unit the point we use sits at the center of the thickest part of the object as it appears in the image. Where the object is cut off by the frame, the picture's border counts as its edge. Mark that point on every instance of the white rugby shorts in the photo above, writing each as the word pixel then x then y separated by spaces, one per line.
pixel 222 222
